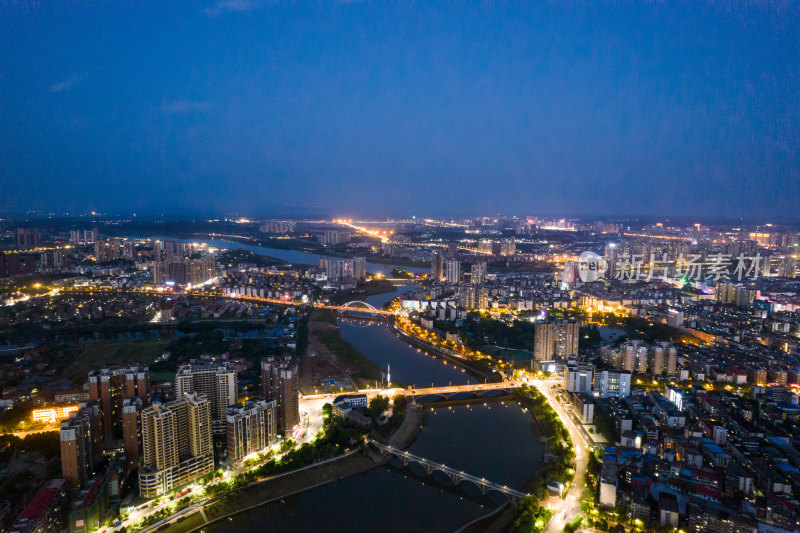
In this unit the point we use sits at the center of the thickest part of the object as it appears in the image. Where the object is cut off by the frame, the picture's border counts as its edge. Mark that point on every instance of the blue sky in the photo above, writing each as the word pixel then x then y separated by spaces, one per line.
pixel 682 109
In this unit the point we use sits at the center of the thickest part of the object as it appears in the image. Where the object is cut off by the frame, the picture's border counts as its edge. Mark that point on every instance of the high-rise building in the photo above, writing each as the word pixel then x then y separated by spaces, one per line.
pixel 360 268
pixel 106 250
pixel 543 341
pixel 628 359
pixel 176 444
pixel 333 237
pixel 452 250
pixel 270 377
pixel 659 351
pixel 75 236
pixel 289 404
pixel 578 378
pixel 556 339
pixel 251 428
pixel 131 430
pixel 173 250
pixel 52 259
pixel 466 296
pixel 566 334
pixel 642 355
pixel 81 444
pixel 482 297
pixel 478 273
pixel 158 250
pixel 437 267
pixel 610 255
pixel 341 269
pixel 129 249
pixel 279 382
pixel 672 360
pixel 110 386
pixel 217 381
pixel 508 246
pixel 176 271
pixel 453 270
pixel 159 273
pixel 788 266
pixel 90 236
pixel 27 237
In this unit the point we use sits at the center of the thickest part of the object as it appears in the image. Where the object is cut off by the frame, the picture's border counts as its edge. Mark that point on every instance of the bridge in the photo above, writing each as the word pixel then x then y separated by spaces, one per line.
pixel 477 391
pixel 456 476
pixel 358 306
pixel 354 306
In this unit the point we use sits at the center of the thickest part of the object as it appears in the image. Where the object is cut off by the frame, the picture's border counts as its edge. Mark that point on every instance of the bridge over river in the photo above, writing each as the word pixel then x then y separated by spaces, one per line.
pixel 456 476
pixel 482 390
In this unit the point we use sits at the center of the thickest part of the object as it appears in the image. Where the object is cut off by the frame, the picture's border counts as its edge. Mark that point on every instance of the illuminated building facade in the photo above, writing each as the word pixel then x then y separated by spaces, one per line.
pixel 176 444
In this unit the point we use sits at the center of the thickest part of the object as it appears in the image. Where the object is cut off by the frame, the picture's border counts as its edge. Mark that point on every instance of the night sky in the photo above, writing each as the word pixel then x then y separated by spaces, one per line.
pixel 675 109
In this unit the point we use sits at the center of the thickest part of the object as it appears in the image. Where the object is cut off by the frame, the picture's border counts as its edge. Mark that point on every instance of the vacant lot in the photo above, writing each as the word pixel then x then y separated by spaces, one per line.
pixel 102 354
pixel 329 356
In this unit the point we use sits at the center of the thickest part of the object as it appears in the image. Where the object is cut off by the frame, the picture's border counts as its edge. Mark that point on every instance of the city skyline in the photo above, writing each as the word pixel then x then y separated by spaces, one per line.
pixel 625 110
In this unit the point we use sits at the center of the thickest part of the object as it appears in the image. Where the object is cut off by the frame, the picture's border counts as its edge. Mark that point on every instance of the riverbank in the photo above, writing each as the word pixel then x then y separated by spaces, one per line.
pixel 443 353
pixel 329 357
pixel 297 481
pixel 363 290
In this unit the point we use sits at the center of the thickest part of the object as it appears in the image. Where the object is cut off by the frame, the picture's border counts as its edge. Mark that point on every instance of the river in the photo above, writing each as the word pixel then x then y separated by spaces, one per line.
pixel 492 440
pixel 292 256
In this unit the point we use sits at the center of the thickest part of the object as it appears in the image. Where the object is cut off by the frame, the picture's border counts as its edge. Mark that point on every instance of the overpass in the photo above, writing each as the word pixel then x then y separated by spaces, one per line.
pixel 456 476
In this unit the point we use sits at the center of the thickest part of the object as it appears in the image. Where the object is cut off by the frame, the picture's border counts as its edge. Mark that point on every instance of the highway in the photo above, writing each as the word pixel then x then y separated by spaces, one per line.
pixel 570 506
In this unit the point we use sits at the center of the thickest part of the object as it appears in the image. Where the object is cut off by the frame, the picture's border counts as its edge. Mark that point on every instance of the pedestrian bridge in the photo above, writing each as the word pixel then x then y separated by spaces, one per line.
pixel 456 476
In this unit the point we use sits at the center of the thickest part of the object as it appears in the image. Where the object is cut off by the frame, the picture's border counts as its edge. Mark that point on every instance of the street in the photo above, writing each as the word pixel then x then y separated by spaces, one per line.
pixel 569 507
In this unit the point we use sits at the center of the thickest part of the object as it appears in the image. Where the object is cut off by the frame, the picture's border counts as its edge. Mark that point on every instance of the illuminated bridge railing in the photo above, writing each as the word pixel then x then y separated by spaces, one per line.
pixel 456 476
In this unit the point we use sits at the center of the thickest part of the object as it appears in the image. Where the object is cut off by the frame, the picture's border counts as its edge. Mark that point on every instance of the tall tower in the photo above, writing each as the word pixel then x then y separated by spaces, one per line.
pixel 453 270
pixel 251 428
pixel 110 386
pixel 437 267
pixel 478 273
pixel 176 444
pixel 672 360
pixel 214 380
pixel 130 429
pixel 658 358
pixel 543 341
pixel 566 336
pixel 81 445
pixel 289 405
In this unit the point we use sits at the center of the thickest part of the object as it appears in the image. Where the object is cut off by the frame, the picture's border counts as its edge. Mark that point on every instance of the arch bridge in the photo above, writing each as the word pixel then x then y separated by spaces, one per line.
pixel 456 476
pixel 360 307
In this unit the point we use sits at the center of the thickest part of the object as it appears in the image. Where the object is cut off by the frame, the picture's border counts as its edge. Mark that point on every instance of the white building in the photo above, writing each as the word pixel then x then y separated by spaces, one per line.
pixel 578 378
pixel 614 383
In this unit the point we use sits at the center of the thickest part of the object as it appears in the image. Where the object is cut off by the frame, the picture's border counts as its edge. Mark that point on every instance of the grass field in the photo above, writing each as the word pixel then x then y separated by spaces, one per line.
pixel 102 354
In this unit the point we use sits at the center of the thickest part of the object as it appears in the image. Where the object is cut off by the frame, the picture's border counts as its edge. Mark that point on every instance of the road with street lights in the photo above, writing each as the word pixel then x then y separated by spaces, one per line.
pixel 570 505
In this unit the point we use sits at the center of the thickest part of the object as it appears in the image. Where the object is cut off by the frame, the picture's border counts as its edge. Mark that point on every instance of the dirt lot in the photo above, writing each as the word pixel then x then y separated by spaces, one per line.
pixel 319 362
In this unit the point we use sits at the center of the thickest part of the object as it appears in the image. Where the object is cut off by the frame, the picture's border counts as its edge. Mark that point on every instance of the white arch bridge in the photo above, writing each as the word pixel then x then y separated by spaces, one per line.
pixel 456 476
pixel 361 307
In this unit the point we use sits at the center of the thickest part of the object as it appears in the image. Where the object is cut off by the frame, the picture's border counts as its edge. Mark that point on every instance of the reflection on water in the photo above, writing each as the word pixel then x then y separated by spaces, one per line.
pixel 292 256
pixel 493 441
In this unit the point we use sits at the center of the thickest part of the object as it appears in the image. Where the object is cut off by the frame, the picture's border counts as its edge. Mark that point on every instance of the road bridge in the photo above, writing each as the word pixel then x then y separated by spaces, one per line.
pixel 456 476
pixel 446 391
